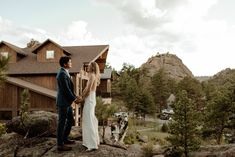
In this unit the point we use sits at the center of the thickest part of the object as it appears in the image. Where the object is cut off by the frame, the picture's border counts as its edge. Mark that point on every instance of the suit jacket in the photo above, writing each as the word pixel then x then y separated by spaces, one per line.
pixel 65 89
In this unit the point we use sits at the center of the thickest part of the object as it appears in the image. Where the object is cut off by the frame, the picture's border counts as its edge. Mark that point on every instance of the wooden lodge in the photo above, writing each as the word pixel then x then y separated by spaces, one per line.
pixel 104 89
pixel 35 68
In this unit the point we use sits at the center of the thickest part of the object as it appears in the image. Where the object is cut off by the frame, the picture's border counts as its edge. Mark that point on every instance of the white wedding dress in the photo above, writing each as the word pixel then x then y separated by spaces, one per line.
pixel 90 134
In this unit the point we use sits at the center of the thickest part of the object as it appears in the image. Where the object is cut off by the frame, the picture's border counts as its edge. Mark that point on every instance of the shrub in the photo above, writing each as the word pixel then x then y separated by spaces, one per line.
pixel 165 128
pixel 2 129
pixel 148 150
pixel 173 152
pixel 131 137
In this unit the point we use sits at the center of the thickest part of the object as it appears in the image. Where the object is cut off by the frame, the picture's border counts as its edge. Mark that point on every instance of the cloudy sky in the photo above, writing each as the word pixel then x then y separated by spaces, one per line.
pixel 200 32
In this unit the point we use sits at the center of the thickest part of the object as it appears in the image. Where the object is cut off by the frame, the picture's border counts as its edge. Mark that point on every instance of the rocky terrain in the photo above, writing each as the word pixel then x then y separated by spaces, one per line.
pixel 14 145
pixel 41 143
pixel 172 65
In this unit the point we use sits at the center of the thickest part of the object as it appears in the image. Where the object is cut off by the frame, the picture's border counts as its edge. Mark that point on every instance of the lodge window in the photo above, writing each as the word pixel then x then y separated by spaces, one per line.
pixel 5 115
pixel 4 54
pixel 50 54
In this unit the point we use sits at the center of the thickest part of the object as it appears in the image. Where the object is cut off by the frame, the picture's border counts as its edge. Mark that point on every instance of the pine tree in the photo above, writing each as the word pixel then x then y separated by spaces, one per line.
pixel 219 109
pixel 161 89
pixel 104 111
pixel 183 127
pixel 24 107
pixel 146 105
pixel 3 67
pixel 194 90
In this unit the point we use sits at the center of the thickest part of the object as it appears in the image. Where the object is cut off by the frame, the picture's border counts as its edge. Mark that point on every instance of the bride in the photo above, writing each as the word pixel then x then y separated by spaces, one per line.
pixel 90 135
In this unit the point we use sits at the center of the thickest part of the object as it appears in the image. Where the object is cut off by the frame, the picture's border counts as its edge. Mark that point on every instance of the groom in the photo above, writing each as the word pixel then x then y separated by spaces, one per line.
pixel 65 97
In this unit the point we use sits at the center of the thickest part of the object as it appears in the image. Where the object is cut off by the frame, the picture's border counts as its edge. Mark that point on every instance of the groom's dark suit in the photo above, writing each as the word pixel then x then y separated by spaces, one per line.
pixel 64 99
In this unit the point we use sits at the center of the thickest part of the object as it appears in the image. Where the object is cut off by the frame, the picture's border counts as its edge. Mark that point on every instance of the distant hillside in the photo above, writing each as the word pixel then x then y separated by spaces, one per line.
pixel 224 78
pixel 203 78
pixel 172 65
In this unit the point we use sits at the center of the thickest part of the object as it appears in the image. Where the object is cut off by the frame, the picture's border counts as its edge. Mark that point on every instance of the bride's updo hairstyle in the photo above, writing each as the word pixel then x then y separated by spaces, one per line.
pixel 94 67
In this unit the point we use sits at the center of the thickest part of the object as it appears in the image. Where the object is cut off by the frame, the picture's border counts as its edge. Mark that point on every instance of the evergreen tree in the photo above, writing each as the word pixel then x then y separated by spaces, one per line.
pixel 103 112
pixel 219 109
pixel 192 86
pixel 131 71
pixel 137 99
pixel 24 108
pixel 146 105
pixel 132 95
pixel 183 127
pixel 3 67
pixel 194 90
pixel 160 89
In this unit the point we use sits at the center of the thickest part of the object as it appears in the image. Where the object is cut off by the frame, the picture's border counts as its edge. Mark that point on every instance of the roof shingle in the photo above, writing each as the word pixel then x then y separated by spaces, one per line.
pixel 79 55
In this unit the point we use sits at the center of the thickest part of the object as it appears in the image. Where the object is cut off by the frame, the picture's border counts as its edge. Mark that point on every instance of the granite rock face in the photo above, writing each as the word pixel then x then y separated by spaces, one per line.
pixel 170 63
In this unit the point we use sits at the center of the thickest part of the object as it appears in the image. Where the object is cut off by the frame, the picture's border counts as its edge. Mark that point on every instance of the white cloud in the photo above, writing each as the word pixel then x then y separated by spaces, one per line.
pixel 77 30
pixel 181 27
pixel 178 26
pixel 20 35
pixel 77 34
pixel 128 49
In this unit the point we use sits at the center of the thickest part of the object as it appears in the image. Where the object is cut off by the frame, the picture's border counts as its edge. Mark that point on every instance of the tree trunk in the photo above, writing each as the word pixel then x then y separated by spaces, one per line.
pixel 103 128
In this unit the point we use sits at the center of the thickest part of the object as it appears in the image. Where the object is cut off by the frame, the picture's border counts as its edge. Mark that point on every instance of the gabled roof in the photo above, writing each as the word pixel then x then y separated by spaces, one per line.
pixel 79 55
pixel 107 74
pixel 15 48
pixel 32 87
pixel 45 42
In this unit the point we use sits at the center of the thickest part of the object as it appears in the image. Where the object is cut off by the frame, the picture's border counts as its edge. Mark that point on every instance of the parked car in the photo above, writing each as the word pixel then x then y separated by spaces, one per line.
pixel 122 114
pixel 168 111
pixel 164 116
pixel 229 137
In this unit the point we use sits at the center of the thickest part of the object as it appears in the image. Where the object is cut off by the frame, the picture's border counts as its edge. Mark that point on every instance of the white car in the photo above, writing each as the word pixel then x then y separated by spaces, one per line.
pixel 122 114
pixel 168 111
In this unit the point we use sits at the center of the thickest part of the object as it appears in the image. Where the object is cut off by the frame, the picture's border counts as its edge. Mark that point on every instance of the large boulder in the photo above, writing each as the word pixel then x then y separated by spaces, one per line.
pixel 38 123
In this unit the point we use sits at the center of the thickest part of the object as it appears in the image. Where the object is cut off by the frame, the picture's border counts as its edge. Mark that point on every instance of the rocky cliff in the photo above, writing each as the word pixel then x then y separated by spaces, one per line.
pixel 172 65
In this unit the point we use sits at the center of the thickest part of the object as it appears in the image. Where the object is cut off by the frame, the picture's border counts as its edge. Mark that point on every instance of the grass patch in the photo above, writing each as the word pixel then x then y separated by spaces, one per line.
pixel 141 124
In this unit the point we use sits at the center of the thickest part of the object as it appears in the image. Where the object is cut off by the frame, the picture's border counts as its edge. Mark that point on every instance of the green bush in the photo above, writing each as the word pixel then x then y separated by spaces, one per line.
pixel 148 150
pixel 173 152
pixel 2 129
pixel 131 137
pixel 165 128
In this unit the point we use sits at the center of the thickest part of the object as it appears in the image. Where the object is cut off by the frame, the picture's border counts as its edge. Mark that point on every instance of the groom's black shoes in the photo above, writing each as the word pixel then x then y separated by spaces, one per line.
pixel 69 142
pixel 64 148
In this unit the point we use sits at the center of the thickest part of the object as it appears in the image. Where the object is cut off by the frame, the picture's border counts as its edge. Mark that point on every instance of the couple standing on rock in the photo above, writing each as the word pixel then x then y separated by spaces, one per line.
pixel 66 96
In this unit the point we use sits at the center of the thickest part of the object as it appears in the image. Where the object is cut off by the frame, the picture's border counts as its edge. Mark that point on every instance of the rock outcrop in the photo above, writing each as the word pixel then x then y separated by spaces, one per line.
pixel 15 145
pixel 38 123
pixel 170 63
pixel 215 151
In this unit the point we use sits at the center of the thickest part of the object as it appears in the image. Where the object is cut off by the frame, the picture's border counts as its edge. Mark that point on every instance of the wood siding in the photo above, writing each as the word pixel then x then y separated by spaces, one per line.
pixel 41 53
pixel 47 81
pixel 10 97
pixel 41 102
pixel 12 54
